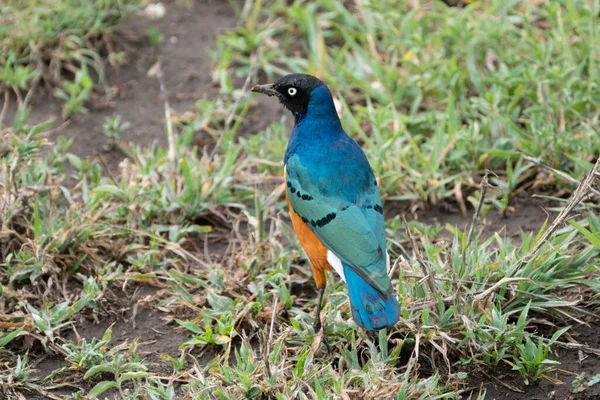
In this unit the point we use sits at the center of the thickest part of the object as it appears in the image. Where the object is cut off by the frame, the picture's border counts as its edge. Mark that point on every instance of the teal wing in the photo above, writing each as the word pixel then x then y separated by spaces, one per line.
pixel 344 210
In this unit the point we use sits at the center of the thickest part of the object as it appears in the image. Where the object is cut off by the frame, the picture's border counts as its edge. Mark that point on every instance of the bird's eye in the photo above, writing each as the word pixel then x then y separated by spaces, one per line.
pixel 292 91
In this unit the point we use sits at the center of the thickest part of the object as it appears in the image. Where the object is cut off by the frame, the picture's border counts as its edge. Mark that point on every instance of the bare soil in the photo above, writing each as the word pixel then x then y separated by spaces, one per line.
pixel 131 320
pixel 189 35
pixel 505 384
pixel 525 215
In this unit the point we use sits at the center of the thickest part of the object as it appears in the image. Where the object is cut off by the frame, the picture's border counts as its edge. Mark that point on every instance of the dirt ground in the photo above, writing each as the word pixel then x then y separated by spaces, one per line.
pixel 504 384
pixel 527 215
pixel 189 35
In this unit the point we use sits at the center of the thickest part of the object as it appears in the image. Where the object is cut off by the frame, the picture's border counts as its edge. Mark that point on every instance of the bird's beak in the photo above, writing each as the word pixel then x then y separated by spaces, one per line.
pixel 269 90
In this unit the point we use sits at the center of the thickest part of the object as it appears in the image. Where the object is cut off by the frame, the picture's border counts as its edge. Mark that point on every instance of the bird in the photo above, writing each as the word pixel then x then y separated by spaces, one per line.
pixel 334 203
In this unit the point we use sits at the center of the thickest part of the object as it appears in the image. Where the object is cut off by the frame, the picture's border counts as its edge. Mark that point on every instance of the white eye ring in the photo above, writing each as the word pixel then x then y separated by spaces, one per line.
pixel 292 91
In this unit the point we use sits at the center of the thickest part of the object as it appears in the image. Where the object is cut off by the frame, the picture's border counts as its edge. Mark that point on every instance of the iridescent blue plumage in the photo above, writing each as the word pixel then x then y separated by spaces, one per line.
pixel 332 188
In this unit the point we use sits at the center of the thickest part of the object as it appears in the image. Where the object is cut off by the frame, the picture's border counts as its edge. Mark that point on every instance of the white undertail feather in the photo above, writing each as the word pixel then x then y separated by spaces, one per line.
pixel 387 262
pixel 336 264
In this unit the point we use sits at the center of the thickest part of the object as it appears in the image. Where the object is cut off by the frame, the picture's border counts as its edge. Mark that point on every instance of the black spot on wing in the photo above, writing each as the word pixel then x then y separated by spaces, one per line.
pixel 376 207
pixel 291 187
pixel 293 190
pixel 321 222
pixel 326 219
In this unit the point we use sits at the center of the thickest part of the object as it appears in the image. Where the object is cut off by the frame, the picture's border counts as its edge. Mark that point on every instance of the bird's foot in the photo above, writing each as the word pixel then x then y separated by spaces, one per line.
pixel 320 329
pixel 317 325
pixel 325 339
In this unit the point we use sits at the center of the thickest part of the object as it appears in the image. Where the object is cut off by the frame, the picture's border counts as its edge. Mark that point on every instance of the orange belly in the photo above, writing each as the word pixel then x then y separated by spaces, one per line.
pixel 312 245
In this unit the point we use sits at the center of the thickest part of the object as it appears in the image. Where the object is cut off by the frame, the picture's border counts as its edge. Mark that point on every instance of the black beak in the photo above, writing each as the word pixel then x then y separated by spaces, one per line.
pixel 269 90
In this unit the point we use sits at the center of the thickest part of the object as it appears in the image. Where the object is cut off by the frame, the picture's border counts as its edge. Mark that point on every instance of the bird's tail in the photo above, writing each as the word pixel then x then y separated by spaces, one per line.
pixel 371 309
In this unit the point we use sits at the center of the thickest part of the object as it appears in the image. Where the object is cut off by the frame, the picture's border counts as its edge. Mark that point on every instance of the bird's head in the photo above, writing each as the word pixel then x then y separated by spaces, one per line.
pixel 293 91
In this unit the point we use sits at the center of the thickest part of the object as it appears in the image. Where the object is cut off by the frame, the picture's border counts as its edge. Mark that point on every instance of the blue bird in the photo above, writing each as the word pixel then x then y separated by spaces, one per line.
pixel 334 202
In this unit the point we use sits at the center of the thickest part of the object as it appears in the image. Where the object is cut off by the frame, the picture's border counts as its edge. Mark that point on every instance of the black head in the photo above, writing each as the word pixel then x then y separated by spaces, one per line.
pixel 292 90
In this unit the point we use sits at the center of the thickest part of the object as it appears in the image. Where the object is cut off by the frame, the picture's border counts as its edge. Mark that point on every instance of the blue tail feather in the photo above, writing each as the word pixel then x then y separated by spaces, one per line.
pixel 371 309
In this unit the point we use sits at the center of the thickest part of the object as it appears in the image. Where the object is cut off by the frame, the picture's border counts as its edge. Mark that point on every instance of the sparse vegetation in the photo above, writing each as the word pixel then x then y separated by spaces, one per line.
pixel 51 39
pixel 437 95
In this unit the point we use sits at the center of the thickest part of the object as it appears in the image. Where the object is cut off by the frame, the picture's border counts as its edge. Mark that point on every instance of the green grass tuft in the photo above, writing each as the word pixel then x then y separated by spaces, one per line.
pixel 54 39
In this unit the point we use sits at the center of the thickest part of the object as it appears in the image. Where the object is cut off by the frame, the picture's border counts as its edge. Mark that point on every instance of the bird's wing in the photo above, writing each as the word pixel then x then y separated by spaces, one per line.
pixel 350 225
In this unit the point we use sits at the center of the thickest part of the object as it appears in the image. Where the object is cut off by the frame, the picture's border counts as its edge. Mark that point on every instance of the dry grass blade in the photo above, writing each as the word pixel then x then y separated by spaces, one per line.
pixel 479 300
pixel 156 71
pixel 270 339
pixel 571 346
pixel 417 251
pixel 4 106
pixel 561 174
pixel 484 187
pixel 577 197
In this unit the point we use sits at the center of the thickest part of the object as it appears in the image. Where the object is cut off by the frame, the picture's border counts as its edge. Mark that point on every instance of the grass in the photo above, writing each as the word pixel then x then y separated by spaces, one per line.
pixel 47 40
pixel 437 96
pixel 436 93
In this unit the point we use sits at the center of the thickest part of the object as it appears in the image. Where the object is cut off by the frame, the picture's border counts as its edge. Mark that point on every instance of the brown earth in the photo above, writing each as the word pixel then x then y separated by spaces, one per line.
pixel 526 215
pixel 505 384
pixel 189 35
pixel 130 322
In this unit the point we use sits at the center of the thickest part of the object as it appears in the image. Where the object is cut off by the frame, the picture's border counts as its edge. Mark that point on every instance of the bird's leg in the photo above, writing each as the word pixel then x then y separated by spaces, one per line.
pixel 317 325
